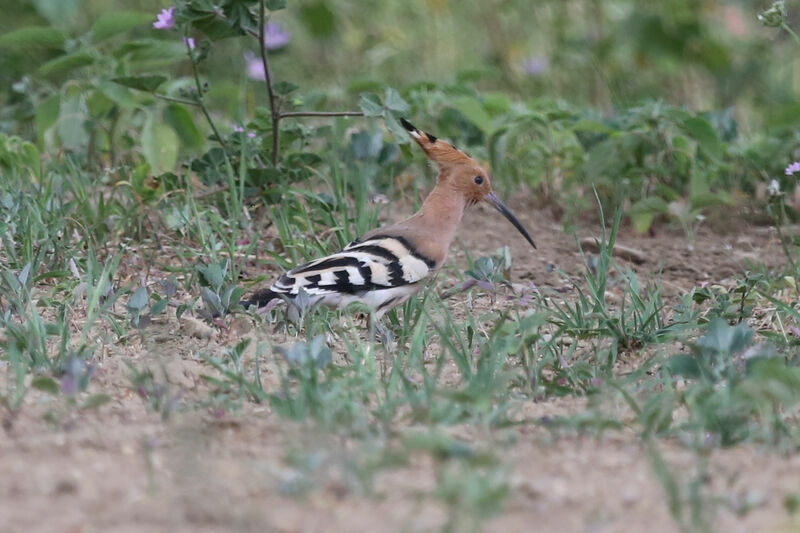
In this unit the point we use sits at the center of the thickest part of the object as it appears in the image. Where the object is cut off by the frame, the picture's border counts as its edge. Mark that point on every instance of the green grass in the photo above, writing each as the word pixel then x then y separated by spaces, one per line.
pixel 66 291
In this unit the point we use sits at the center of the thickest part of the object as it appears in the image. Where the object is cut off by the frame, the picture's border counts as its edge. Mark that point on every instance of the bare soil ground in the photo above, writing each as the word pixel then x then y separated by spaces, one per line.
pixel 121 468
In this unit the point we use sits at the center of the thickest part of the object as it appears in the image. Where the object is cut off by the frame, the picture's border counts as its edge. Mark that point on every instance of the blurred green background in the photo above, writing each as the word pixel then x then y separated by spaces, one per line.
pixel 648 102
pixel 607 53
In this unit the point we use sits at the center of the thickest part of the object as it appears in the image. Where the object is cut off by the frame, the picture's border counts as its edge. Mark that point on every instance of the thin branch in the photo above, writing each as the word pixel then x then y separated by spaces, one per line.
pixel 322 114
pixel 273 106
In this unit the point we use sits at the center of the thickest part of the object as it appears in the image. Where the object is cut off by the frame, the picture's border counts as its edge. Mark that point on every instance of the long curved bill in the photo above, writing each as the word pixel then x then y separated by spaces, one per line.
pixel 500 206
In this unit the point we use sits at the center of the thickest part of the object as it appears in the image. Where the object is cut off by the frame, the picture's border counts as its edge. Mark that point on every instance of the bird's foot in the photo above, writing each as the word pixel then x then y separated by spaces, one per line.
pixel 383 334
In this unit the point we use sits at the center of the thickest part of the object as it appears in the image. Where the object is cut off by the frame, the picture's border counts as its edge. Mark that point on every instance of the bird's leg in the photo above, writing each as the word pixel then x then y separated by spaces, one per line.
pixel 383 334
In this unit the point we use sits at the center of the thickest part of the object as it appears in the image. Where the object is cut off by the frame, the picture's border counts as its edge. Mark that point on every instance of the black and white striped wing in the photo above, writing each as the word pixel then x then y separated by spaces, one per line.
pixel 375 264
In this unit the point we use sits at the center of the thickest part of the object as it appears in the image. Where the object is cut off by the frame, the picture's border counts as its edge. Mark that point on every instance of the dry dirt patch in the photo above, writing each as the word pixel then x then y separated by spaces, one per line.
pixel 122 468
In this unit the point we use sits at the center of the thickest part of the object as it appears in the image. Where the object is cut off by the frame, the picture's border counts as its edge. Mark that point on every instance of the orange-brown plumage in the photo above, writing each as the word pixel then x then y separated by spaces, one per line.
pixel 433 228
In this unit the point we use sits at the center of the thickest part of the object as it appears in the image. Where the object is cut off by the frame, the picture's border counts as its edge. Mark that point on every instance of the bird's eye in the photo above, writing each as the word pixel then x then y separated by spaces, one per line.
pixel 478 180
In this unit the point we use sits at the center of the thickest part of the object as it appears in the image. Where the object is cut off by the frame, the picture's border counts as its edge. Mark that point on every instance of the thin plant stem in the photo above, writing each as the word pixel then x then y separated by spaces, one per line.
pixel 273 104
pixel 200 104
pixel 792 33
pixel 176 100
pixel 322 114
pixel 778 225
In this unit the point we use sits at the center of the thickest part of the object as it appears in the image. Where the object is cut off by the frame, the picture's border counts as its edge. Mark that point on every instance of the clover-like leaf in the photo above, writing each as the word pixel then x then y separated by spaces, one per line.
pixel 139 300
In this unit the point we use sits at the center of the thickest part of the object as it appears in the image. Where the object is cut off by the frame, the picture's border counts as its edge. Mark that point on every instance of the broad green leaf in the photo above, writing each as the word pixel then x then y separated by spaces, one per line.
pixel 96 400
pixel 158 307
pixel 642 221
pixel 139 299
pixel 136 45
pixel 473 109
pixel 115 22
pixel 399 132
pixel 651 205
pixel 703 132
pixel 33 37
pixel 212 300
pixel 709 199
pixel 213 275
pixel 643 212
pixel 370 105
pixel 496 103
pixel 684 365
pixel 591 126
pixel 318 18
pixel 183 123
pixel 160 146
pixel 46 384
pixel 47 115
pixel 725 339
pixel 99 104
pixel 147 59
pixel 698 183
pixel 72 118
pixel 236 295
pixel 395 102
pixel 216 29
pixel 120 95
pixel 147 83
pixel 66 63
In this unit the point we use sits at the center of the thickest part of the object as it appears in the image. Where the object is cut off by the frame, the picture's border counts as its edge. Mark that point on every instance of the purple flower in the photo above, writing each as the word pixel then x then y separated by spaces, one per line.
pixel 486 285
pixel 239 129
pixel 255 68
pixel 526 299
pixel 536 66
pixel 792 169
pixel 166 19
pixel 275 37
pixel 188 41
pixel 527 295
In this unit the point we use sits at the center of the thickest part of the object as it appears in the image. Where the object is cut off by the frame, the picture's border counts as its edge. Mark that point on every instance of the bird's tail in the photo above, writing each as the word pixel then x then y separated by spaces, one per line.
pixel 260 298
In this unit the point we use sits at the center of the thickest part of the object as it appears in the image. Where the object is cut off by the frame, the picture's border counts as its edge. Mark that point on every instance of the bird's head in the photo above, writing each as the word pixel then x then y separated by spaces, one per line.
pixel 462 174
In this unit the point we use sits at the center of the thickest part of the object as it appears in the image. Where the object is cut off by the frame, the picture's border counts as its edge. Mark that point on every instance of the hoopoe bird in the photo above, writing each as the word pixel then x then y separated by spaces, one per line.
pixel 386 266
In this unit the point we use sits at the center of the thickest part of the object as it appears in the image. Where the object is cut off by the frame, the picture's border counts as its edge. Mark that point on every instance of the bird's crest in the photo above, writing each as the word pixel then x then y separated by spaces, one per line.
pixel 440 152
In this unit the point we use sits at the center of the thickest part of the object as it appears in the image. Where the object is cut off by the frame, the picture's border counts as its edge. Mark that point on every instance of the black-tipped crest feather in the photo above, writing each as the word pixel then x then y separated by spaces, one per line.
pixel 407 125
